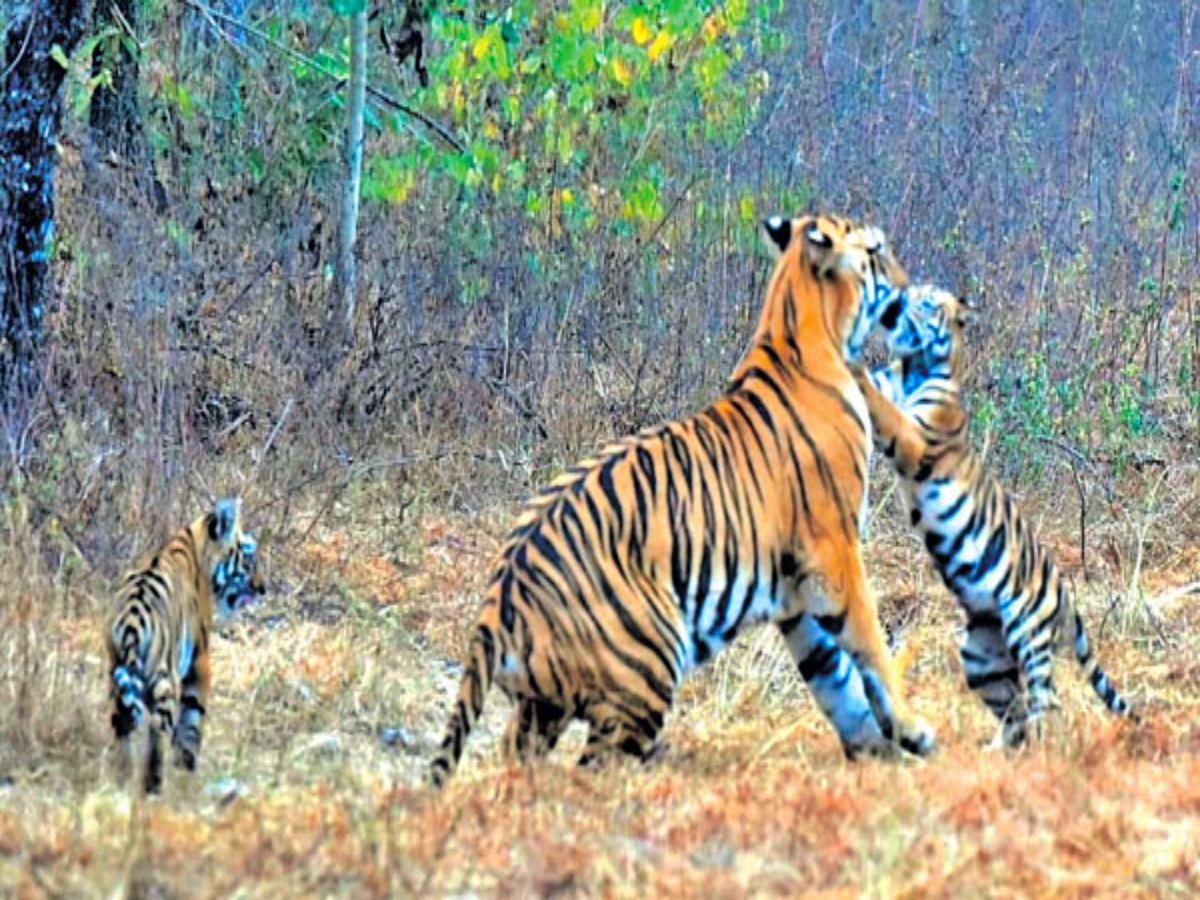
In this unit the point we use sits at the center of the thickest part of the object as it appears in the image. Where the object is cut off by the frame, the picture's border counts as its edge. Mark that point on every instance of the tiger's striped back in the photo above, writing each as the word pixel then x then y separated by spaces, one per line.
pixel 1012 593
pixel 158 634
pixel 640 564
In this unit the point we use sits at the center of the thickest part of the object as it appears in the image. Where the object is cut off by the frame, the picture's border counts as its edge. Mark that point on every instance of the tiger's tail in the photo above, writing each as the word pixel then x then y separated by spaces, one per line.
pixel 477 679
pixel 1095 675
pixel 129 681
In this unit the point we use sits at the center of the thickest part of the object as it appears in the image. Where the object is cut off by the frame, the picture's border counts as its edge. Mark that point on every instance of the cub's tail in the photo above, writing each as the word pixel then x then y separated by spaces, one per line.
pixel 1095 675
pixel 477 679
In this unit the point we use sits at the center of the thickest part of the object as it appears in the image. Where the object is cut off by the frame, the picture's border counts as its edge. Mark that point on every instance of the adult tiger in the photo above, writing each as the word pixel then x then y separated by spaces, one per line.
pixel 159 630
pixel 638 565
pixel 1006 583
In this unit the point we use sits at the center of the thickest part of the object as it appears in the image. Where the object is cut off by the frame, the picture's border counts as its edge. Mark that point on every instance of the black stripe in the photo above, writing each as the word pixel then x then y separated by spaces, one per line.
pixel 977 680
pixel 949 513
pixel 832 624
pixel 610 491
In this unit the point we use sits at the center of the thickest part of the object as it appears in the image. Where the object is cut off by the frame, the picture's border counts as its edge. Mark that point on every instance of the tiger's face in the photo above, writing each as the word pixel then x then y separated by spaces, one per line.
pixel 228 556
pixel 925 320
pixel 834 249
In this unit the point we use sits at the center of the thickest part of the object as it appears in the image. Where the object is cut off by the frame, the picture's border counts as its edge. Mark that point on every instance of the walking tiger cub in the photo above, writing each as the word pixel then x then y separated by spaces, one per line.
pixel 640 564
pixel 159 631
pixel 1006 583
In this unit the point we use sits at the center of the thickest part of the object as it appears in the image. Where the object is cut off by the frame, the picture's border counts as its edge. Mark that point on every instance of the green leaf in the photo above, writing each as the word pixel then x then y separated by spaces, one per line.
pixel 56 54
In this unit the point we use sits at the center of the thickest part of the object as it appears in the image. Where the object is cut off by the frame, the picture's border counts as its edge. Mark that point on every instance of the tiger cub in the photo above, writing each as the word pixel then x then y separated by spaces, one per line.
pixel 639 565
pixel 1008 586
pixel 159 630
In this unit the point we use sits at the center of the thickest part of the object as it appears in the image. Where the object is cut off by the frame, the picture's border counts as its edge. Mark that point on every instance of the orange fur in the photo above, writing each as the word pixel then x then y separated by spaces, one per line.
pixel 159 632
pixel 637 565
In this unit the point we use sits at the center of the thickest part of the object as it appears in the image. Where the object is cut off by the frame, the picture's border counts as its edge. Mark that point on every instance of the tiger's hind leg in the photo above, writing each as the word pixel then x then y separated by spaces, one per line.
pixel 612 727
pixel 152 782
pixel 188 734
pixel 1031 630
pixel 836 685
pixel 846 609
pixel 992 673
pixel 161 718
pixel 534 729
pixel 125 719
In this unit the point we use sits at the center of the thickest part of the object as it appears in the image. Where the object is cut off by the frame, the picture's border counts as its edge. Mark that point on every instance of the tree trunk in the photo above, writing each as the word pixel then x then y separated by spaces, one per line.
pixel 113 116
pixel 348 226
pixel 30 113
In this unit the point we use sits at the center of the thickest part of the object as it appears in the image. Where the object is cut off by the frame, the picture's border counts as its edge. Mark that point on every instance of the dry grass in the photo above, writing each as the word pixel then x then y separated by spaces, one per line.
pixel 298 795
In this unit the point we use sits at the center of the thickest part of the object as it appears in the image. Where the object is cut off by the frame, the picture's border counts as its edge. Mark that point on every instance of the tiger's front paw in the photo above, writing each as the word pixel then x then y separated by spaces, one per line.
pixel 916 737
pixel 874 748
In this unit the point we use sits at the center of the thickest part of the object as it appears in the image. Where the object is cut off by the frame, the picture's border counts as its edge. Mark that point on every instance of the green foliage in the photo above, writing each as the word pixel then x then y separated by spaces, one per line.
pixel 81 83
pixel 615 160
pixel 568 110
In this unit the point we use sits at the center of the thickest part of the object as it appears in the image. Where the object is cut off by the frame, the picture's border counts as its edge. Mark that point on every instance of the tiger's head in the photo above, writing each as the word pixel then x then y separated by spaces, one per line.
pixel 227 556
pixel 924 326
pixel 851 264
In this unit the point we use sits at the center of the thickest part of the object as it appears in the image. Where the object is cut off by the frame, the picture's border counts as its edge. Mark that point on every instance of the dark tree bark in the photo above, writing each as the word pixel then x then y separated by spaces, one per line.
pixel 30 114
pixel 113 117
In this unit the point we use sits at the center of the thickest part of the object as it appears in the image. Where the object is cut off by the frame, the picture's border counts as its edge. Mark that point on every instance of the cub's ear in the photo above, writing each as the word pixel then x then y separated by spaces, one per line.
pixel 223 520
pixel 778 232
pixel 968 310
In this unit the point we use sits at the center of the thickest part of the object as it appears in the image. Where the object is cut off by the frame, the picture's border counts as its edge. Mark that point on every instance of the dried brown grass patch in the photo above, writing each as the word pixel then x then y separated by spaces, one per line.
pixel 297 794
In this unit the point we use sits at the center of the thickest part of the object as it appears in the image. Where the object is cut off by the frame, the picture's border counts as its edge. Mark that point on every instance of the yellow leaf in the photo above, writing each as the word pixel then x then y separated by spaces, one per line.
pixel 713 26
pixel 640 31
pixel 481 46
pixel 490 131
pixel 656 49
pixel 568 197
pixel 746 207
pixel 398 192
pixel 621 72
pixel 591 18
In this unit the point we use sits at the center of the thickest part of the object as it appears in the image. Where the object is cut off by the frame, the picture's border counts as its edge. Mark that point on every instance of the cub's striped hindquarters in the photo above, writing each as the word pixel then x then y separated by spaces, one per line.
pixel 638 565
pixel 1009 588
pixel 159 631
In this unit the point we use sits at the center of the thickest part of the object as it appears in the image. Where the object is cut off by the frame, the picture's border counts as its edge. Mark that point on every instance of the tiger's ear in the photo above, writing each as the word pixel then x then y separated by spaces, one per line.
pixel 818 245
pixel 223 520
pixel 968 310
pixel 778 232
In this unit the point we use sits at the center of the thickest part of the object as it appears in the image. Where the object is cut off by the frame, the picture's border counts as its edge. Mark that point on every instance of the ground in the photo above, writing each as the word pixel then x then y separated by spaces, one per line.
pixel 331 694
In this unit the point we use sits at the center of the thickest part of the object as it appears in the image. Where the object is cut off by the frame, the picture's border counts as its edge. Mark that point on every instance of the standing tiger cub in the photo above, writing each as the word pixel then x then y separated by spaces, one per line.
pixel 1006 583
pixel 638 565
pixel 159 631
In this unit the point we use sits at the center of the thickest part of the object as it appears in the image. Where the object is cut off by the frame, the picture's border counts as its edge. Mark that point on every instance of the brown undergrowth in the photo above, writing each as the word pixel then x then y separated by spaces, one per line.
pixel 331 693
